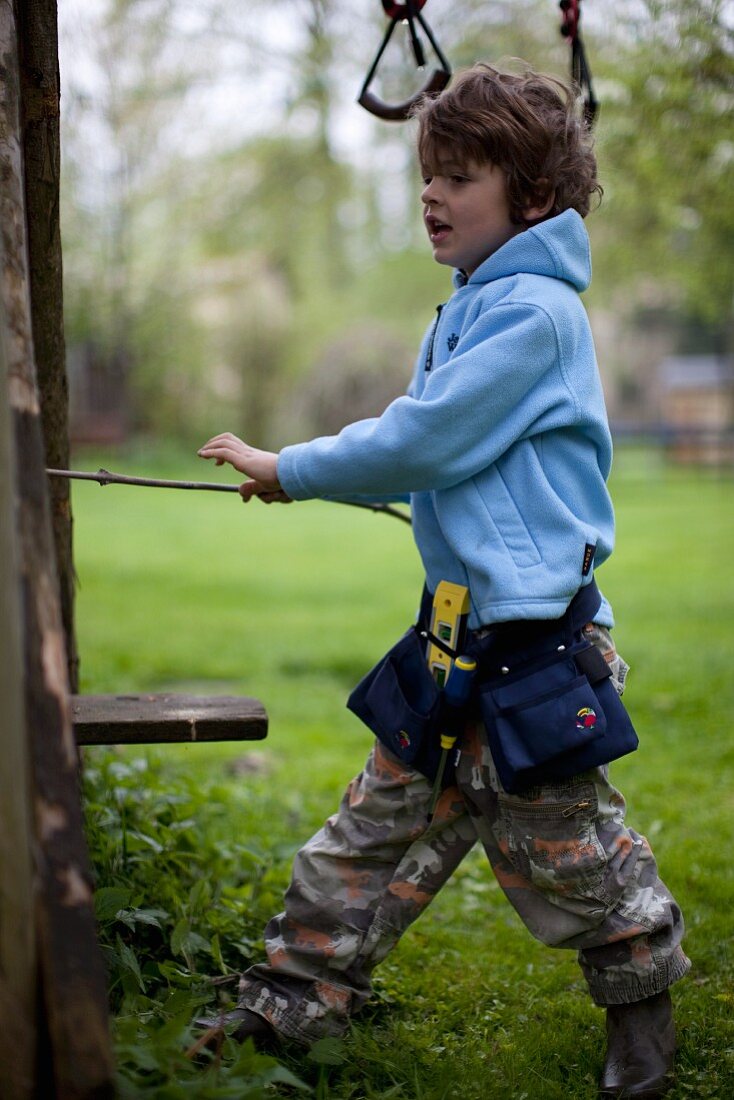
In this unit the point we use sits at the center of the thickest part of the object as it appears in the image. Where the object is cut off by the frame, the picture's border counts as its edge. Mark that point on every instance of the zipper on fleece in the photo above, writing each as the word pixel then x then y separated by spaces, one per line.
pixel 429 353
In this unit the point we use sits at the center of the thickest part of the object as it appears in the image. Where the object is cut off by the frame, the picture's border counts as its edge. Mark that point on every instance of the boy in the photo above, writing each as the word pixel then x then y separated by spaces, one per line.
pixel 503 444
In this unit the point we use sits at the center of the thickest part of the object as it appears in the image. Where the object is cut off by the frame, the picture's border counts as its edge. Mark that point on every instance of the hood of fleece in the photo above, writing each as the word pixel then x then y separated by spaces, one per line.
pixel 558 247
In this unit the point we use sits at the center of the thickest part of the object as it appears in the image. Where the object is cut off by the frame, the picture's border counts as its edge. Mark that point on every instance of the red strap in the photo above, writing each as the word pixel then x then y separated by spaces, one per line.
pixel 400 11
pixel 570 18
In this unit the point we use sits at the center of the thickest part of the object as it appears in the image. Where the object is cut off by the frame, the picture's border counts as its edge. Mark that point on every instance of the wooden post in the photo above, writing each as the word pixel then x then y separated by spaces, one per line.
pixel 18 975
pixel 74 1047
pixel 39 118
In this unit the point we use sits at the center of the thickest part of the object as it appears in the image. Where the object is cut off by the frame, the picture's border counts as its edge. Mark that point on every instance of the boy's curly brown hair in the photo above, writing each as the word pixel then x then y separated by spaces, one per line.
pixel 527 124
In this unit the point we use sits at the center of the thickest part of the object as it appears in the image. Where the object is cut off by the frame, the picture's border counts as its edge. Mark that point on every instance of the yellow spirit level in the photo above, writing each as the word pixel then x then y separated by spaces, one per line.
pixel 457 693
pixel 448 623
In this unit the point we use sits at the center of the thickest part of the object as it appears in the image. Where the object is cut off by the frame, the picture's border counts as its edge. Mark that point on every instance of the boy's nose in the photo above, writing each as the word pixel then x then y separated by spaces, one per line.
pixel 431 193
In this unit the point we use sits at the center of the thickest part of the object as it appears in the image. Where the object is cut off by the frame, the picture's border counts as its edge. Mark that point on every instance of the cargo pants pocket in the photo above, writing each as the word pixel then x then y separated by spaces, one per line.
pixel 552 841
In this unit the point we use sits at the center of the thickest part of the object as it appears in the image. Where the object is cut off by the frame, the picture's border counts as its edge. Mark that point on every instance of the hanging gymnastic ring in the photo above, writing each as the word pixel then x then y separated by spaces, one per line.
pixel 398 112
pixel 436 82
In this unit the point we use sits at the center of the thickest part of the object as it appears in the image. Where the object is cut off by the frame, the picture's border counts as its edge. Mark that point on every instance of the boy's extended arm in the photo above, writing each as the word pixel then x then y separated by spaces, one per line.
pixel 261 467
pixel 508 383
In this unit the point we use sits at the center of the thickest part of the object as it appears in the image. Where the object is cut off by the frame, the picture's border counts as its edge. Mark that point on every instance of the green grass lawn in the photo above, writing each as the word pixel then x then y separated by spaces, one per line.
pixel 192 844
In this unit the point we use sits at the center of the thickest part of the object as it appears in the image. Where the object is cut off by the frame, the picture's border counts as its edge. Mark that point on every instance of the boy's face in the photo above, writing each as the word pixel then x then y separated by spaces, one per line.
pixel 467 212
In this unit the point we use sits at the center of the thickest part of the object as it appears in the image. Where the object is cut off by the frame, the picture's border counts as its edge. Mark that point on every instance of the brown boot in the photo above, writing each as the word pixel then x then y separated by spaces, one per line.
pixel 239 1024
pixel 640 1049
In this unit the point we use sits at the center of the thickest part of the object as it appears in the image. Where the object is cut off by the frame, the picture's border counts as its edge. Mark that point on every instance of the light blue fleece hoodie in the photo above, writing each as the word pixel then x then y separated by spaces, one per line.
pixel 502 441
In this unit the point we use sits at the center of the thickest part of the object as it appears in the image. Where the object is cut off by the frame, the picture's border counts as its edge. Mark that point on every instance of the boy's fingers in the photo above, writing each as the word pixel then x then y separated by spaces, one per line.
pixel 224 446
pixel 223 437
pixel 223 454
pixel 217 451
pixel 249 489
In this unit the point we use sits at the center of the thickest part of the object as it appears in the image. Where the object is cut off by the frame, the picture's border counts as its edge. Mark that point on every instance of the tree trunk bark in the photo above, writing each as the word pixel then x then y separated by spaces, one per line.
pixel 18 973
pixel 39 116
pixel 74 1059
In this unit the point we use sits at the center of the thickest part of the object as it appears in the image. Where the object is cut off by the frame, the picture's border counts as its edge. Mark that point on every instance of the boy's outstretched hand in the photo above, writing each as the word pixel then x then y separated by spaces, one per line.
pixel 260 466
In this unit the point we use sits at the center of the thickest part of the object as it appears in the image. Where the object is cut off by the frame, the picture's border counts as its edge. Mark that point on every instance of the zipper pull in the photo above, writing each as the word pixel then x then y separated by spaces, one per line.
pixel 429 353
pixel 571 810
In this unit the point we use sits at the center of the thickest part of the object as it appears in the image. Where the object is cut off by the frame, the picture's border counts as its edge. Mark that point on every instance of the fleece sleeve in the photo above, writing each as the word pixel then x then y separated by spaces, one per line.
pixel 504 379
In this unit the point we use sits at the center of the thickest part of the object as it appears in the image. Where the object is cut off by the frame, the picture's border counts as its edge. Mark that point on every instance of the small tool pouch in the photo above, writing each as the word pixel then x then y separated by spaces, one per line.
pixel 401 703
pixel 550 715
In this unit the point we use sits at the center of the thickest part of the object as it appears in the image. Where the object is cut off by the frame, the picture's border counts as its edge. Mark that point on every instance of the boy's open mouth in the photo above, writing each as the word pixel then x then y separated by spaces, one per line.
pixel 437 229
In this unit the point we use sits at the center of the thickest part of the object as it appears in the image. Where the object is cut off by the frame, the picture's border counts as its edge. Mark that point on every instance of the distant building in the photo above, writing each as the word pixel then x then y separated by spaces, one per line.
pixel 696 401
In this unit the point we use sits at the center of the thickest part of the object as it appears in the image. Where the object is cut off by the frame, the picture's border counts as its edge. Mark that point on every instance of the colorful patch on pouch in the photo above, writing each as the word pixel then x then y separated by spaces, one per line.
pixel 404 739
pixel 586 718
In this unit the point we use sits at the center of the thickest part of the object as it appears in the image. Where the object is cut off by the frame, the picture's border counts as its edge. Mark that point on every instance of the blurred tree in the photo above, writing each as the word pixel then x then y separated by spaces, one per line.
pixel 164 210
pixel 115 144
pixel 667 151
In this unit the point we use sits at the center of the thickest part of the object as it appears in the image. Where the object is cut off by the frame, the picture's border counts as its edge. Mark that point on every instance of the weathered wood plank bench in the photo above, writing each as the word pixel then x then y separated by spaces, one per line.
pixel 160 719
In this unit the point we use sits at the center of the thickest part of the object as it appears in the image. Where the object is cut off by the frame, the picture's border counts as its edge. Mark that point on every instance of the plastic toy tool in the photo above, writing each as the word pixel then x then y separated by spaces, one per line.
pixel 452 671
pixel 449 616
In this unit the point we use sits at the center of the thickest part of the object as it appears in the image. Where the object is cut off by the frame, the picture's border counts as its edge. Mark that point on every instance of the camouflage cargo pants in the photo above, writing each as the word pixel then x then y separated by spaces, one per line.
pixel 576 874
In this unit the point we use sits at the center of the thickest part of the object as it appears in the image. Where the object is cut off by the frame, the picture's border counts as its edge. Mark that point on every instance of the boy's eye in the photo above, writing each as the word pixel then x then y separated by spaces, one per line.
pixel 459 179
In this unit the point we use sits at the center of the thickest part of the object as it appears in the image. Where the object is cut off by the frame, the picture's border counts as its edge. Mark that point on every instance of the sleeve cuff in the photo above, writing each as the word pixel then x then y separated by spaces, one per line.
pixel 287 476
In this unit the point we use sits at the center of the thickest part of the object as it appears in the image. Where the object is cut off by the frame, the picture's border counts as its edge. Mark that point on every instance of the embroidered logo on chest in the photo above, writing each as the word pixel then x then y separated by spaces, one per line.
pixel 452 341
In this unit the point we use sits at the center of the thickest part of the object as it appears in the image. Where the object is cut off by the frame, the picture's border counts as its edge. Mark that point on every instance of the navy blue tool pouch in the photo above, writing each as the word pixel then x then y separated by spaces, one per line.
pixel 552 713
pixel 401 703
pixel 543 692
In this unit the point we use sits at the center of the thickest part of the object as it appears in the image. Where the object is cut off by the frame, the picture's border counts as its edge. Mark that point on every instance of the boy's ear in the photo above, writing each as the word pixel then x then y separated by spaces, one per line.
pixel 540 203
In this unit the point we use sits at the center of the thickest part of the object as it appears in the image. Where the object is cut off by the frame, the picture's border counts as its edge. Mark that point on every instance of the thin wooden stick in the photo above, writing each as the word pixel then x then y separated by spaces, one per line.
pixel 106 477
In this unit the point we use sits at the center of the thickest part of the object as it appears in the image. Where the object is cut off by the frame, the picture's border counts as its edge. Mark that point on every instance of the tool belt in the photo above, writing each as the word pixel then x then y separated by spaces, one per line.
pixel 542 690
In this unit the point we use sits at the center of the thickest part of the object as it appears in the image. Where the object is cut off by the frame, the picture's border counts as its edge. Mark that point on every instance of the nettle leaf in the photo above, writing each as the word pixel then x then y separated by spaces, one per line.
pixel 199 895
pixel 282 1076
pixel 173 973
pixel 216 949
pixel 328 1052
pixel 186 942
pixel 253 1069
pixel 174 1030
pixel 176 1091
pixel 140 1055
pixel 128 961
pixel 149 916
pixel 178 936
pixel 148 841
pixel 183 1001
pixel 109 900
pixel 125 917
